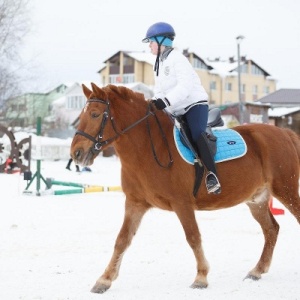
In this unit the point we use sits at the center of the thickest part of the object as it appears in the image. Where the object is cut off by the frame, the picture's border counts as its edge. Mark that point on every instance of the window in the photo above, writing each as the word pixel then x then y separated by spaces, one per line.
pixel 243 88
pixel 75 102
pixel 243 68
pixel 255 70
pixel 128 61
pixel 60 89
pixel 128 78
pixel 213 85
pixel 198 64
pixel 114 78
pixel 254 90
pixel 228 86
pixel 266 90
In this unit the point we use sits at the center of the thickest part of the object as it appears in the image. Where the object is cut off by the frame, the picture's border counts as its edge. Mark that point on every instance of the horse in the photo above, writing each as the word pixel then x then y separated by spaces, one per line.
pixel 154 175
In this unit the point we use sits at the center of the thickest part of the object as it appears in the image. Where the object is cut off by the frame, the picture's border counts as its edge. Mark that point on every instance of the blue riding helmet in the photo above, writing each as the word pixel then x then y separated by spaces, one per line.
pixel 159 29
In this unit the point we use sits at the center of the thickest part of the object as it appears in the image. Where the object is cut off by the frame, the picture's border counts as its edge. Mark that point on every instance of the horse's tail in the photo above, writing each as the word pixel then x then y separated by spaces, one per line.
pixel 296 141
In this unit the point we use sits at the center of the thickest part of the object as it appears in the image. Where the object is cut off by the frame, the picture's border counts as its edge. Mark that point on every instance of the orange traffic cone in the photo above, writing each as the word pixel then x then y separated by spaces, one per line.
pixel 275 211
pixel 7 165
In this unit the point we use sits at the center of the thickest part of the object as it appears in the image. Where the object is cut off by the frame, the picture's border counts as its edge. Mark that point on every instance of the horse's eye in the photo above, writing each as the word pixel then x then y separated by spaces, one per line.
pixel 95 115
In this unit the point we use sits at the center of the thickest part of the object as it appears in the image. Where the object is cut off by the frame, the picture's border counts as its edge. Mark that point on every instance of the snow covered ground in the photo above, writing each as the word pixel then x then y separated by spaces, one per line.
pixel 54 247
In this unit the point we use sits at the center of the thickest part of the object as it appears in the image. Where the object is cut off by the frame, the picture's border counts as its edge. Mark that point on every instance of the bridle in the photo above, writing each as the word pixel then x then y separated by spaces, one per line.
pixel 99 143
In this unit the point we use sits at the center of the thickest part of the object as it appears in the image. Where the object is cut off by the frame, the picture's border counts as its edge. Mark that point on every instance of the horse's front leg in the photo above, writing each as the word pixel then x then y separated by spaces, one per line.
pixel 134 213
pixel 188 221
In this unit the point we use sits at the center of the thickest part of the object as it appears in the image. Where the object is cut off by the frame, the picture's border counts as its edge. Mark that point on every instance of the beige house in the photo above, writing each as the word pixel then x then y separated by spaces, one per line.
pixel 128 67
pixel 219 77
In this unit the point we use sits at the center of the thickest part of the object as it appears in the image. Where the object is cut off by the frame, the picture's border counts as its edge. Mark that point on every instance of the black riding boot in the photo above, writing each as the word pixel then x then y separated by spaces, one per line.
pixel 211 180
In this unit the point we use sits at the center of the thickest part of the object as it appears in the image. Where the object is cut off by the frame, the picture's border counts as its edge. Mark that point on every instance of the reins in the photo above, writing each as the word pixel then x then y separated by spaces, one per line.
pixel 165 141
pixel 99 143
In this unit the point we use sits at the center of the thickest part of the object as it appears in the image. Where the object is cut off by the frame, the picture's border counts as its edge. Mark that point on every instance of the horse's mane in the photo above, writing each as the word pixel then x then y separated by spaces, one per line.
pixel 123 92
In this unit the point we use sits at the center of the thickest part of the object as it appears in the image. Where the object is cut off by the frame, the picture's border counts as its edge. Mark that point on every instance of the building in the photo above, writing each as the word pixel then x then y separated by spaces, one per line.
pixel 64 110
pixel 128 67
pixel 219 77
pixel 23 110
pixel 284 108
pixel 223 81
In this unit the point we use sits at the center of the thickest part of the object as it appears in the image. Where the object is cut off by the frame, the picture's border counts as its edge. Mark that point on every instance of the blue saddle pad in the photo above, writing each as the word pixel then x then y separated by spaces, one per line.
pixel 230 145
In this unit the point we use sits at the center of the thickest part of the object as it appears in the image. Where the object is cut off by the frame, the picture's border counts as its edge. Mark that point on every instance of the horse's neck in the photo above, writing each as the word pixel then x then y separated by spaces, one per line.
pixel 144 141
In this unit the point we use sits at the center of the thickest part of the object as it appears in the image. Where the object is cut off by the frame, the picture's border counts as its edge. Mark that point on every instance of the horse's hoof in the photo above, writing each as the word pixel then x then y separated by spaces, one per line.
pixel 100 288
pixel 252 277
pixel 199 285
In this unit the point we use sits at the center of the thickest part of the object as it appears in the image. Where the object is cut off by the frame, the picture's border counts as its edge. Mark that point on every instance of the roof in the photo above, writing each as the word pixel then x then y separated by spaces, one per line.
pixel 282 97
pixel 223 68
pixel 220 67
pixel 143 56
pixel 226 68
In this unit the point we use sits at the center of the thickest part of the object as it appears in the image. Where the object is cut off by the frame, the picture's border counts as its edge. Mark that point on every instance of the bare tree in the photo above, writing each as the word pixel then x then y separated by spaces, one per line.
pixel 14 25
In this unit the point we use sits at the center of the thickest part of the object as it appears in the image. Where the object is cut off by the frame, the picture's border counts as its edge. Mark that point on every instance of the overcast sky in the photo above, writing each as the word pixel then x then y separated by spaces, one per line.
pixel 70 40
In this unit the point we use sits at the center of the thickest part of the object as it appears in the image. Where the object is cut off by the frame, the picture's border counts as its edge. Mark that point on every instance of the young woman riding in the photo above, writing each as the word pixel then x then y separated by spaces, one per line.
pixel 178 91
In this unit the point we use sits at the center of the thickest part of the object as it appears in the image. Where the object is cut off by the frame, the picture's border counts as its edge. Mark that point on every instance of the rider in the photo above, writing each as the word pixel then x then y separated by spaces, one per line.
pixel 179 91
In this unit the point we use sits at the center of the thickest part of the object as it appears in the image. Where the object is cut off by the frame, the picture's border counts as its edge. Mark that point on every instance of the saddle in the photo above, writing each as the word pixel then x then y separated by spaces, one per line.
pixel 214 120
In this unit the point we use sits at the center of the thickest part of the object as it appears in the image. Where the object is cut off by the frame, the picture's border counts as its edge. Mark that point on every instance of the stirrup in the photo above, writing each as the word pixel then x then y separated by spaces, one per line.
pixel 212 187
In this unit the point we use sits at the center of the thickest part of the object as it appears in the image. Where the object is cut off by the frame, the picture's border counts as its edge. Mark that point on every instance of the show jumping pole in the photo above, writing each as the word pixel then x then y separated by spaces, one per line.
pixel 38 176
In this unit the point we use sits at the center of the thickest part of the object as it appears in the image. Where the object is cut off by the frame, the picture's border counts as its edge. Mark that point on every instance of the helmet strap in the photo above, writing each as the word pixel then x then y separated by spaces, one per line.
pixel 156 66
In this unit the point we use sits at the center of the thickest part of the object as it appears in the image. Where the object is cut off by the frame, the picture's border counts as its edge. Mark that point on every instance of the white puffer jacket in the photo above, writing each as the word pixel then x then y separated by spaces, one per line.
pixel 179 83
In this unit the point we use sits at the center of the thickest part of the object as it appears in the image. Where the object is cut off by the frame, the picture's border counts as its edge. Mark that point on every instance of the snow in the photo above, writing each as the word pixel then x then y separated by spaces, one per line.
pixel 54 247
pixel 223 68
pixel 282 111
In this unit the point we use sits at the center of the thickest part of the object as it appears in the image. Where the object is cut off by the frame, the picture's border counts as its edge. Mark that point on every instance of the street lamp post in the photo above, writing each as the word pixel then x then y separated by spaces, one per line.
pixel 241 108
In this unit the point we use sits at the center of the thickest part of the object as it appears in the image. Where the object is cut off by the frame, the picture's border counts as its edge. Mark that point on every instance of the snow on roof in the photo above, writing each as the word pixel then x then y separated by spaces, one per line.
pixel 282 111
pixel 223 68
pixel 143 56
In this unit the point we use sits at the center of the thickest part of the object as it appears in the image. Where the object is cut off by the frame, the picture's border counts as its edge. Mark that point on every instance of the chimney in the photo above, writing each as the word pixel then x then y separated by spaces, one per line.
pixel 186 52
pixel 231 59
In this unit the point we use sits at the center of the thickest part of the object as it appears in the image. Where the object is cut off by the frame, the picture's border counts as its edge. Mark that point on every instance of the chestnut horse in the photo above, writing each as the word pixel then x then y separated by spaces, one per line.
pixel 154 174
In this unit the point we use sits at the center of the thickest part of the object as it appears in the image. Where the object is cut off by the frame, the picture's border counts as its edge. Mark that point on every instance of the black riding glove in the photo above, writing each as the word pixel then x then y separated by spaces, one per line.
pixel 160 104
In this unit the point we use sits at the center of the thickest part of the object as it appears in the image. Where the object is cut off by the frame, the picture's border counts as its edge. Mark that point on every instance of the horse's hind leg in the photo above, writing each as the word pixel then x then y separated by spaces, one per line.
pixel 261 212
pixel 187 218
pixel 288 193
pixel 133 215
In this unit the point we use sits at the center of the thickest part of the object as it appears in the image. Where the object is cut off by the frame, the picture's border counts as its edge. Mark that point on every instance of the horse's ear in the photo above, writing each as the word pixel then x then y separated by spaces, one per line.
pixel 96 89
pixel 87 92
